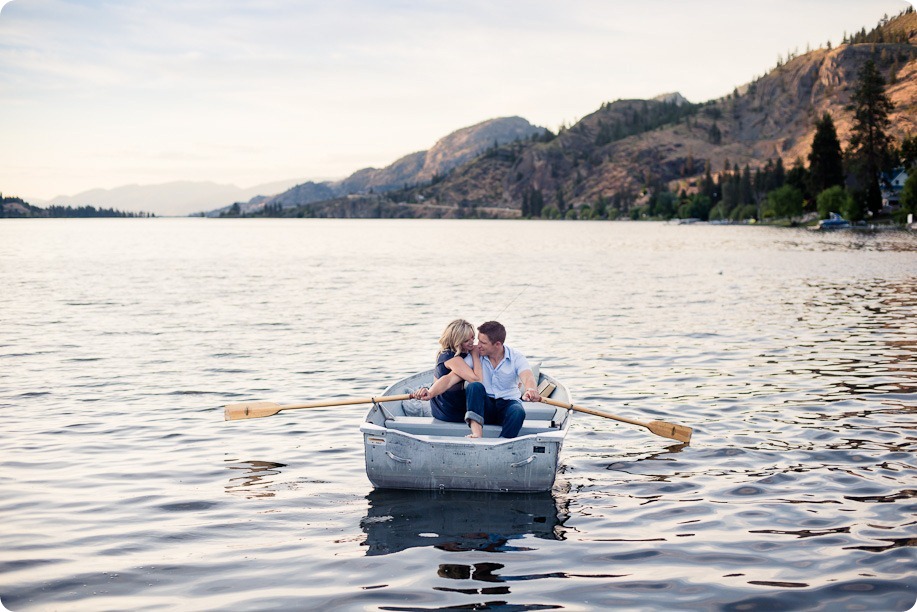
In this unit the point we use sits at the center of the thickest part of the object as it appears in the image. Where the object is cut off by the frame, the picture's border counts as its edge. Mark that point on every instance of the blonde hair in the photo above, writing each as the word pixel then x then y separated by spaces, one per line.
pixel 454 335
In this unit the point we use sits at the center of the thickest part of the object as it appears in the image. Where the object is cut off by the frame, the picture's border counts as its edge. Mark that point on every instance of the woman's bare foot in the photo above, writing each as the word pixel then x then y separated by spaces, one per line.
pixel 477 430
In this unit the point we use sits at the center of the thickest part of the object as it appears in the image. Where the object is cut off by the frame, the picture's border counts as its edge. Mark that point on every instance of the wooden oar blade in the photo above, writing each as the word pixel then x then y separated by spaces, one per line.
pixel 250 410
pixel 671 431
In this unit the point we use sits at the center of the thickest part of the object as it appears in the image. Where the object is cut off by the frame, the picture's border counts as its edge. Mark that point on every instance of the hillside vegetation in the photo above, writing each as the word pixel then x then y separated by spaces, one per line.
pixel 612 158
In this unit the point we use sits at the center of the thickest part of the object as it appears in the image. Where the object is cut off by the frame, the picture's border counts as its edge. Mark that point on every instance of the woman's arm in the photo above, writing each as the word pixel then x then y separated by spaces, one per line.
pixel 458 366
pixel 442 383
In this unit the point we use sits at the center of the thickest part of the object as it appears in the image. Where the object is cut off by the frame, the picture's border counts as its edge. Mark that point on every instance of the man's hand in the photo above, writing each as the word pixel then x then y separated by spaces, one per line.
pixel 531 395
pixel 421 394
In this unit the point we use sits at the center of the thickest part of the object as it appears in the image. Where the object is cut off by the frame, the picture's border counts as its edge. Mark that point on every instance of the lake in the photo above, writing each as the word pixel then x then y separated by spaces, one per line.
pixel 792 354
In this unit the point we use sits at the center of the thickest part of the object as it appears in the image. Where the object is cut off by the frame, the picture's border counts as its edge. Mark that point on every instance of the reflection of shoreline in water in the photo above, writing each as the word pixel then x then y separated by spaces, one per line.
pixel 254 479
pixel 457 520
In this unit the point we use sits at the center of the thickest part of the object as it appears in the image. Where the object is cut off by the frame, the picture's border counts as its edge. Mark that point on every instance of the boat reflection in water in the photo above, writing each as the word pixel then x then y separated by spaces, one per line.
pixel 458 520
pixel 253 479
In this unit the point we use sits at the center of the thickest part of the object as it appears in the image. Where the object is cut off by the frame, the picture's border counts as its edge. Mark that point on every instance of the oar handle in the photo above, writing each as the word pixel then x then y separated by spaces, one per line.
pixel 256 410
pixel 607 415
pixel 348 402
pixel 659 428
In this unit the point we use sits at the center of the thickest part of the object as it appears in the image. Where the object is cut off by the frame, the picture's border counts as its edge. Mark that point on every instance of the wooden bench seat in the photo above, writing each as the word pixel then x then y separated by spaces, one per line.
pixel 429 426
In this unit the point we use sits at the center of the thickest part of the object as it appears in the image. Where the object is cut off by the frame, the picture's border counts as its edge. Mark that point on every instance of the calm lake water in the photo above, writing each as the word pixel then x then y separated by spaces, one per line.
pixel 792 354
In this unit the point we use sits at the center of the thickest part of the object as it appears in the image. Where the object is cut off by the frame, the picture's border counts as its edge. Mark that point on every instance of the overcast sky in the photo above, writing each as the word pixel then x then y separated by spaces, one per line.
pixel 104 93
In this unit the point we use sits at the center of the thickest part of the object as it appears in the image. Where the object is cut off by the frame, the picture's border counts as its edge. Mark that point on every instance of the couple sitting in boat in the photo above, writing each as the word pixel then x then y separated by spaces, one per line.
pixel 491 370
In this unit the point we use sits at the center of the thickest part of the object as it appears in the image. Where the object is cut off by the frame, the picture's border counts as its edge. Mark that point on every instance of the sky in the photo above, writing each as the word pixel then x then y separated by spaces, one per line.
pixel 105 93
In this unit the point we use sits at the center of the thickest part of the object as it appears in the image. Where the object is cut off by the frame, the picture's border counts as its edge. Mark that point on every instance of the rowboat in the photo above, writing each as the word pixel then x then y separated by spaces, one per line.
pixel 406 448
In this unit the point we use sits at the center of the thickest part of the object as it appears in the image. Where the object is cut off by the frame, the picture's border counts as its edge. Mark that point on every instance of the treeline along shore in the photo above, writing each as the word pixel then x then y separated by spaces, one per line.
pixel 16 208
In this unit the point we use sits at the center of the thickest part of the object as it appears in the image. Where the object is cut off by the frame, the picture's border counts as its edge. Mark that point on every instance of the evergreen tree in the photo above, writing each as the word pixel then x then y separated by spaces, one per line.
pixel 907 153
pixel 561 203
pixel 869 142
pixel 758 185
pixel 532 203
pixel 779 174
pixel 601 207
pixel 714 135
pixel 536 203
pixel 798 177
pixel 826 164
pixel 730 186
pixel 746 193
pixel 707 186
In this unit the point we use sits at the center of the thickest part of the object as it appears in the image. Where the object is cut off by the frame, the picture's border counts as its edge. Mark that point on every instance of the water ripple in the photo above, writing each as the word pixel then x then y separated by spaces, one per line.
pixel 121 487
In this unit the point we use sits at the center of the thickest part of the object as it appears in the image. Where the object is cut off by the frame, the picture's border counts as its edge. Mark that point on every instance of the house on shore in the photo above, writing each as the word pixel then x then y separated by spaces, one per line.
pixel 892 183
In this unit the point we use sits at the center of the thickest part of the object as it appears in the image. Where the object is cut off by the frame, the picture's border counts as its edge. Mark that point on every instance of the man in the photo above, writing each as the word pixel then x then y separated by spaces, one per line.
pixel 496 399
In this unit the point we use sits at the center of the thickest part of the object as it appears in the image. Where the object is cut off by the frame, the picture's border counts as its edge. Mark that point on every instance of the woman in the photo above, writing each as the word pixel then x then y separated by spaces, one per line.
pixel 457 362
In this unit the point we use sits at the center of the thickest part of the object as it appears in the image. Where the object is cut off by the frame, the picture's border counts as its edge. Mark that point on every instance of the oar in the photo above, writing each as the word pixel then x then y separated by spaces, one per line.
pixel 660 428
pixel 256 410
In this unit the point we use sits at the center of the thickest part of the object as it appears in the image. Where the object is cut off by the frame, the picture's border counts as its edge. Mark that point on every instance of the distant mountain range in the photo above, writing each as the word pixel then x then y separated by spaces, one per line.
pixel 179 198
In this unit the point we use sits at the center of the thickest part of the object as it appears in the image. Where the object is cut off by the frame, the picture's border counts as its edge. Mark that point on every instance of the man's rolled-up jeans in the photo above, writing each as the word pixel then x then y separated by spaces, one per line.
pixel 487 410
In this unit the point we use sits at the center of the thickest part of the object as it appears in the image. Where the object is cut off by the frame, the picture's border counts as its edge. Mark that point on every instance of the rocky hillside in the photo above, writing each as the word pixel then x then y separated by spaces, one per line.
pixel 415 169
pixel 615 152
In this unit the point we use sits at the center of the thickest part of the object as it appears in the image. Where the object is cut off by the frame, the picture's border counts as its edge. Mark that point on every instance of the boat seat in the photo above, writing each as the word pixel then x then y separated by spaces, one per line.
pixel 538 411
pixel 429 426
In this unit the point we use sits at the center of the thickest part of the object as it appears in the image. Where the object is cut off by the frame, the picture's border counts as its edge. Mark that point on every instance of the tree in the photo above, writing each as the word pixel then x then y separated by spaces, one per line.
pixel 561 203
pixel 731 188
pixel 665 205
pixel 714 135
pixel 532 203
pixel 869 142
pixel 746 191
pixel 697 207
pixel 600 210
pixel 550 212
pixel 908 151
pixel 826 164
pixel 779 173
pixel 909 197
pixel 785 202
pixel 833 200
pixel 798 177
pixel 707 185
pixel 852 209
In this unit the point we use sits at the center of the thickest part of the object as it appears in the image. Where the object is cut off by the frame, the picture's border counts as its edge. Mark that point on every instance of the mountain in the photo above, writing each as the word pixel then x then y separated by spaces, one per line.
pixel 672 98
pixel 772 117
pixel 417 168
pixel 625 146
pixel 178 198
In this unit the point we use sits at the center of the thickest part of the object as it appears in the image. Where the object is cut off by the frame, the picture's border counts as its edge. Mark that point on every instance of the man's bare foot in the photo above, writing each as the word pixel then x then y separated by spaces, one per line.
pixel 477 430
